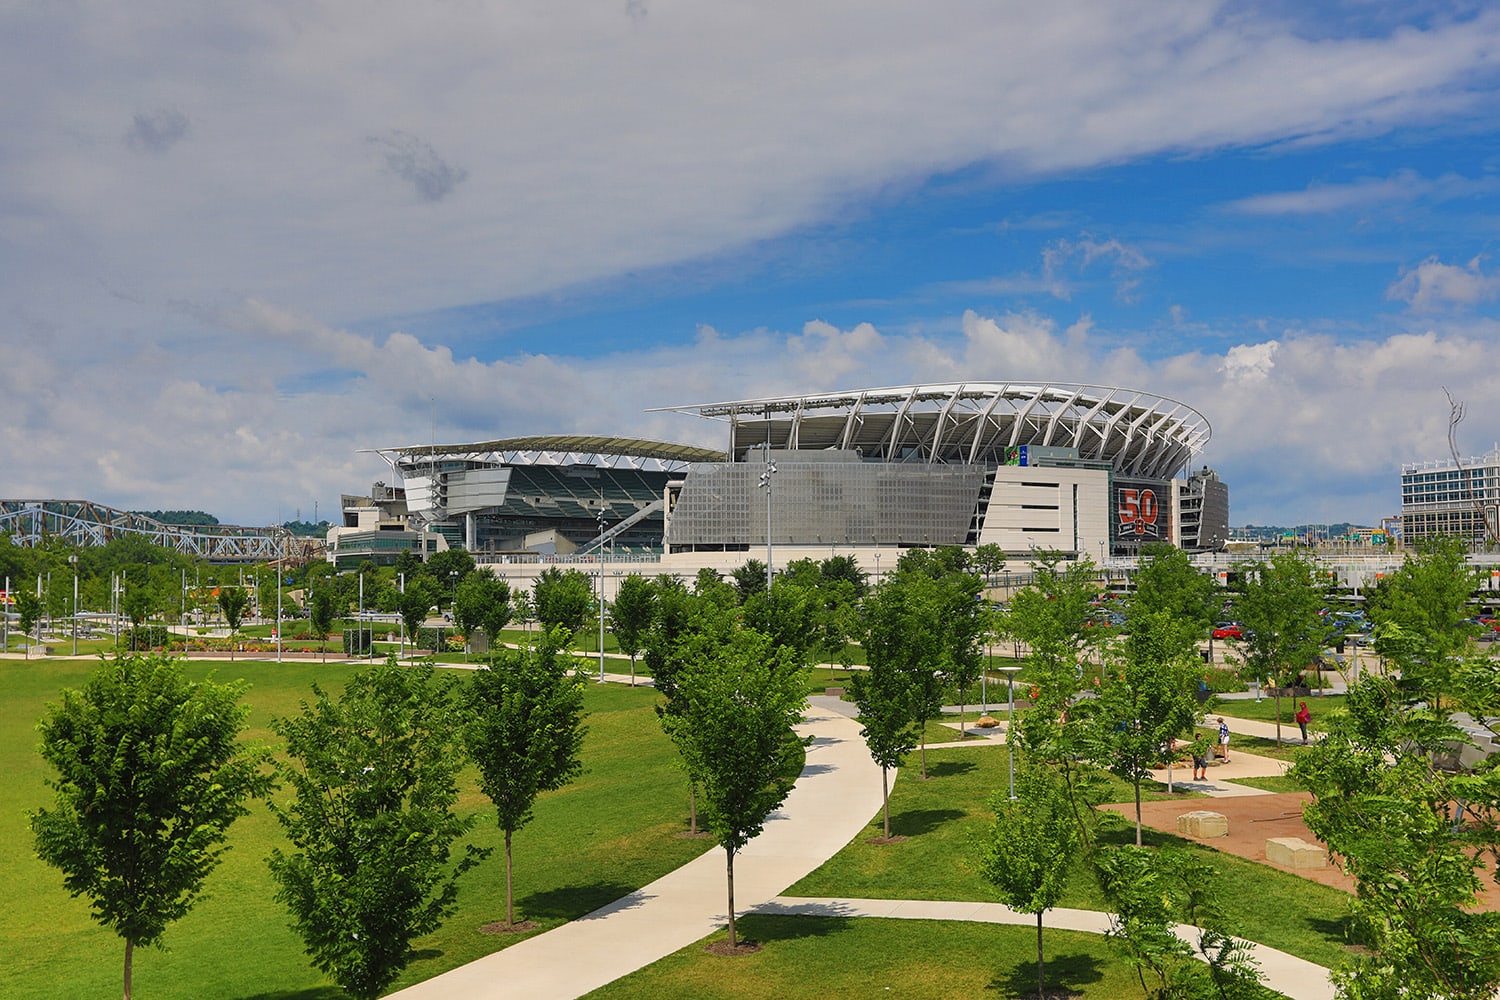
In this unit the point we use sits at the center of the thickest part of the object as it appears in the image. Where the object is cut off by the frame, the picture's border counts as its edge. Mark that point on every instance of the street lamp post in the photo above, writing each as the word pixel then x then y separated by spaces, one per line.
pixel 599 558
pixel 765 482
pixel 74 561
pixel 1010 718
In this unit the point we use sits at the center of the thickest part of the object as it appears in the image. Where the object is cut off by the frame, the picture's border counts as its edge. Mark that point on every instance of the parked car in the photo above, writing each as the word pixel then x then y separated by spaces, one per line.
pixel 1229 630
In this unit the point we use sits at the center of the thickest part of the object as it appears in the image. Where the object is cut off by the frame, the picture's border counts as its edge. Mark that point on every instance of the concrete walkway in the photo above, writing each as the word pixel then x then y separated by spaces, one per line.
pixel 835 797
pixel 1296 977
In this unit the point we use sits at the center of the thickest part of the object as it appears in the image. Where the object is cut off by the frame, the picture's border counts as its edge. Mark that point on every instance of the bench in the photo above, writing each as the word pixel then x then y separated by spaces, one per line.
pixel 1202 823
pixel 1294 852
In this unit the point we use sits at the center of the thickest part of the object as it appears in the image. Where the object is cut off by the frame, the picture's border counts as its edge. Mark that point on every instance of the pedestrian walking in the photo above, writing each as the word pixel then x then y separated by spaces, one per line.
pixel 1303 716
pixel 1223 739
pixel 1199 751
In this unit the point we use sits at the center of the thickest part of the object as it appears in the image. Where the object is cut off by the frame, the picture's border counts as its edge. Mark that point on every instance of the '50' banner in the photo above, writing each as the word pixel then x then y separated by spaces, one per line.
pixel 1139 511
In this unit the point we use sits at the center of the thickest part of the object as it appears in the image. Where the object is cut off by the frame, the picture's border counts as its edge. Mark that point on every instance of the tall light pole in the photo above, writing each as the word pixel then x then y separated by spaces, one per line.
pixel 74 561
pixel 1010 718
pixel 765 482
pixel 599 560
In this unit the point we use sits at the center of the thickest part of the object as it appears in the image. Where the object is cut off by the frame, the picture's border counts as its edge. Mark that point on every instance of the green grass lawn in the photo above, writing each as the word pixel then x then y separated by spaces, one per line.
pixel 945 817
pixel 813 958
pixel 613 830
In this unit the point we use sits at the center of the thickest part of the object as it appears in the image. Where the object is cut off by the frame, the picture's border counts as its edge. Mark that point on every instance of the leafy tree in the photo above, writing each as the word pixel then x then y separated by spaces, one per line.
pixel 525 732
pixel 1279 607
pixel 28 615
pixel 882 694
pixel 138 604
pixel 989 559
pixel 1394 799
pixel 150 775
pixel 416 604
pixel 447 568
pixel 562 598
pixel 709 584
pixel 232 601
pixel 1149 891
pixel 742 699
pixel 1145 701
pixel 635 606
pixel 1030 848
pixel 788 613
pixel 320 611
pixel 1052 617
pixel 483 602
pixel 1167 581
pixel 372 822
pixel 749 579
pixel 1428 599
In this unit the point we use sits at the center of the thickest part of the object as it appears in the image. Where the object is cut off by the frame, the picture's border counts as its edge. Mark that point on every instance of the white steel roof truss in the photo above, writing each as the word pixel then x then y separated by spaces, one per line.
pixel 936 447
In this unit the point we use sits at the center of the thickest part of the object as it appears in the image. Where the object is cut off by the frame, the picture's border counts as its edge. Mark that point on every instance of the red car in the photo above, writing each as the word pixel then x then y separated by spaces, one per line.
pixel 1229 630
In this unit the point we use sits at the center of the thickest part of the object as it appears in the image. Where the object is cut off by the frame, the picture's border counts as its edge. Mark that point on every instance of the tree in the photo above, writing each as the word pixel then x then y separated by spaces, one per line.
pixel 29 616
pixel 1030 848
pixel 483 602
pixel 320 611
pixel 1285 633
pixel 1052 617
pixel 882 695
pixel 1149 891
pixel 416 603
pixel 1410 808
pixel 524 731
pixel 989 559
pixel 232 601
pixel 1167 581
pixel 1427 598
pixel 1145 701
pixel 635 605
pixel 749 579
pixel 742 699
pixel 371 822
pixel 561 598
pixel 150 775
pixel 447 568
pixel 138 603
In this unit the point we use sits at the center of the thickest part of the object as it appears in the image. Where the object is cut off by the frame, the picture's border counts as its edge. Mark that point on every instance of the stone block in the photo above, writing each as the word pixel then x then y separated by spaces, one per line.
pixel 1294 852
pixel 1202 823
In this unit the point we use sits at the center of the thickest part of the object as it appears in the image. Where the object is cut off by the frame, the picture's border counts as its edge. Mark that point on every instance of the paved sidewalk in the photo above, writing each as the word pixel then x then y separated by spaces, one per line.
pixel 1295 977
pixel 837 794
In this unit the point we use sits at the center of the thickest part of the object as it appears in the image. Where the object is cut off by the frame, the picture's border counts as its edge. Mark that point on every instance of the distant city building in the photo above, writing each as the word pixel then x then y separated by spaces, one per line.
pixel 1445 497
pixel 1085 470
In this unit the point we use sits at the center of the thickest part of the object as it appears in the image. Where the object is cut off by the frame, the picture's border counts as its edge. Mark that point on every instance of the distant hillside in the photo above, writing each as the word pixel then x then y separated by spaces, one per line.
pixel 307 529
pixel 1271 531
pixel 179 516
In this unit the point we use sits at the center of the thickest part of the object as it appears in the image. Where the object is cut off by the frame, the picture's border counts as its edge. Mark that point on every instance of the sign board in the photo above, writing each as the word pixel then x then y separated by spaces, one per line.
pixel 1142 510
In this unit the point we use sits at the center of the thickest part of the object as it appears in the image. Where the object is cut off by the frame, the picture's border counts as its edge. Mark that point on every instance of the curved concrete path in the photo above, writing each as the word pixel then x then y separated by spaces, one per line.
pixel 1295 977
pixel 838 792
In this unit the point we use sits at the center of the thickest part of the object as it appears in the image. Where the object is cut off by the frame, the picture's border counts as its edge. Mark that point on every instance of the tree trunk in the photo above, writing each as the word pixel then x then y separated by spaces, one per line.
pixel 1041 986
pixel 1277 691
pixel 1137 812
pixel 885 799
pixel 729 868
pixel 924 749
pixel 510 910
pixel 961 694
pixel 129 950
pixel 632 670
pixel 693 810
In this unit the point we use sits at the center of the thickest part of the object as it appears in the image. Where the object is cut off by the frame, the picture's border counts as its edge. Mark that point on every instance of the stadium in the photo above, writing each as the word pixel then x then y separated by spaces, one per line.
pixel 1082 469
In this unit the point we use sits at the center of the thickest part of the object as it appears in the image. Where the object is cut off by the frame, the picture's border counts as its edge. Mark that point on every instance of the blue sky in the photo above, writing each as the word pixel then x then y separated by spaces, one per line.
pixel 239 246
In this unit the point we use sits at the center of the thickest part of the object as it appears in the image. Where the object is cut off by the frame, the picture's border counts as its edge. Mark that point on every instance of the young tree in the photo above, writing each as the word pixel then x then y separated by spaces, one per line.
pixel 1394 797
pixel 1145 701
pixel 1167 581
pixel 742 699
pixel 371 822
pixel 138 603
pixel 635 605
pixel 232 601
pixel 1051 616
pixel 1279 607
pixel 1149 891
pixel 320 612
pixel 882 695
pixel 749 579
pixel 483 602
pixel 1427 598
pixel 525 732
pixel 28 616
pixel 560 598
pixel 1030 848
pixel 416 604
pixel 150 775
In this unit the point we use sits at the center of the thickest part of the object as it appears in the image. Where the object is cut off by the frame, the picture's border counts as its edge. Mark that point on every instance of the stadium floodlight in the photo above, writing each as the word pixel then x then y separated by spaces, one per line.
pixel 765 482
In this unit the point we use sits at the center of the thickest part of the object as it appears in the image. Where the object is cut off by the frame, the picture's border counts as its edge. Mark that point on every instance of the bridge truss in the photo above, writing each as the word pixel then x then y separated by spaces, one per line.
pixel 84 523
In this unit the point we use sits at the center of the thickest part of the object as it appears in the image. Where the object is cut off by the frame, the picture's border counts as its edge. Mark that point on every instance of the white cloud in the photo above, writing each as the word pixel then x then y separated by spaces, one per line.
pixel 1434 285
pixel 1403 186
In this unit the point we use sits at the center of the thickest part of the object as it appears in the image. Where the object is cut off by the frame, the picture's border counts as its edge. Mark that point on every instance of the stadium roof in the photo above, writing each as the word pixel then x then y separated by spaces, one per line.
pixel 1140 433
pixel 560 449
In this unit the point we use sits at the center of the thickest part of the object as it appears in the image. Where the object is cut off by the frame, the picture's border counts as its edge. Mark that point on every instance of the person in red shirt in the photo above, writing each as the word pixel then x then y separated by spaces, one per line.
pixel 1303 715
